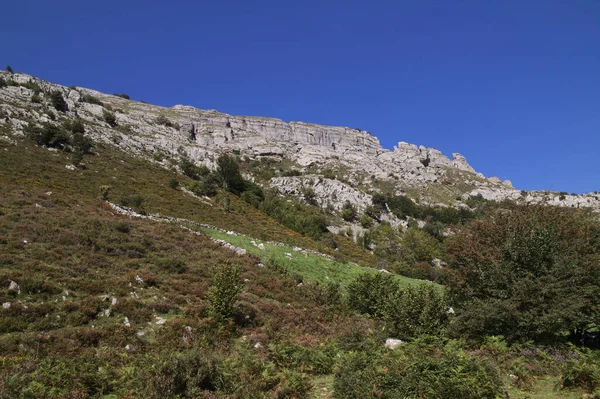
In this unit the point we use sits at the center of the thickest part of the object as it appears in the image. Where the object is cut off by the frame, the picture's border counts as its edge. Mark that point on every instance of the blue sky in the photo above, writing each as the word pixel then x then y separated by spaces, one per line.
pixel 513 85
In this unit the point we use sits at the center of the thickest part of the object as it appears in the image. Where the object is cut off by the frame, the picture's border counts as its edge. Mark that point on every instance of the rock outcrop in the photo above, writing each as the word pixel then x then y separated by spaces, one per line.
pixel 355 156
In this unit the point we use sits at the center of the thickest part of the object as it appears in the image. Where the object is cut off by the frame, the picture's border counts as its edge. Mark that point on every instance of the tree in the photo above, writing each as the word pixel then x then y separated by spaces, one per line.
pixel 58 101
pixel 528 273
pixel 229 171
pixel 224 291
pixel 9 69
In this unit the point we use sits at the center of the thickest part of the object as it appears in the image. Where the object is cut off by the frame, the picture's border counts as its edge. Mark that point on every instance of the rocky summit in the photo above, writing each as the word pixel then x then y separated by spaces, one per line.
pixel 348 164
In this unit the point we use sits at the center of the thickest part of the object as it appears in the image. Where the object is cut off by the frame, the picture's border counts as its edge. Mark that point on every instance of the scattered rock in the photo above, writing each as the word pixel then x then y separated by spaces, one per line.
pixel 126 322
pixel 14 287
pixel 393 343
pixel 6 305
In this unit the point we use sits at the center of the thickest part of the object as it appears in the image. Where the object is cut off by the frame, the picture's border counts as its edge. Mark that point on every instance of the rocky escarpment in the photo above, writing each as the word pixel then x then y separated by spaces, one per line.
pixel 352 155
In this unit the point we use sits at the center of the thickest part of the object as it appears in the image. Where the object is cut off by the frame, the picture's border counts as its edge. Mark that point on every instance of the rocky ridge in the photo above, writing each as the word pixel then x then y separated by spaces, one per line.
pixel 357 160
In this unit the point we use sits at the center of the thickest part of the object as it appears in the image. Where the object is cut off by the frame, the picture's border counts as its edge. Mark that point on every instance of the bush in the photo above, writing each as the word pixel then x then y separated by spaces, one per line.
pixel 134 201
pixel 9 69
pixel 229 172
pixel 109 117
pixel 416 371
pixel 58 102
pixel 348 212
pixel 163 120
pixel 48 135
pixel 91 100
pixel 202 188
pixel 583 373
pixel 122 95
pixel 104 190
pixel 224 291
pixel 173 183
pixel 191 170
pixel 35 98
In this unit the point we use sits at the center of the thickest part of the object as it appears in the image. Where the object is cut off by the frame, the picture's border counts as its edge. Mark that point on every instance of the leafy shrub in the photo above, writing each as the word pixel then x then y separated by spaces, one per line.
pixel 173 183
pixel 9 69
pixel 202 188
pixel 87 98
pixel 163 120
pixel 229 172
pixel 58 102
pixel 224 291
pixel 348 212
pixel 109 117
pixel 583 373
pixel 416 371
pixel 48 135
pixel 186 374
pixel 35 98
pixel 130 200
pixel 191 170
pixel 104 190
pixel 2 83
pixel 122 95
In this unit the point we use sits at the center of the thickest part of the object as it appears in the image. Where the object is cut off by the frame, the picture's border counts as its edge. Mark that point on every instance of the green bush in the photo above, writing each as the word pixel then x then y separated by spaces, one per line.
pixel 191 170
pixel 9 69
pixel 229 172
pixel 348 212
pixel 109 117
pixel 163 120
pixel 583 373
pixel 48 135
pixel 224 291
pixel 58 102
pixel 202 188
pixel 135 201
pixel 87 98
pixel 416 371
pixel 122 95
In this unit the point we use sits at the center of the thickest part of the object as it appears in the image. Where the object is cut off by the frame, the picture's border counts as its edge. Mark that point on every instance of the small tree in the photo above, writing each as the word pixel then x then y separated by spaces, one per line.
pixel 224 291
pixel 58 101
pixel 229 171
pixel 9 69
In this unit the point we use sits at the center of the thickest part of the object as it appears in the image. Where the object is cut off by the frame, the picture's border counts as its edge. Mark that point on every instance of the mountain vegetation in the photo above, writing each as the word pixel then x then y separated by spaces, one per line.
pixel 146 275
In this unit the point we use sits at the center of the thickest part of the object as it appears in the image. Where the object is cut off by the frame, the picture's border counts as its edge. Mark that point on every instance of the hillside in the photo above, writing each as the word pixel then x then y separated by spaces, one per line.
pixel 150 252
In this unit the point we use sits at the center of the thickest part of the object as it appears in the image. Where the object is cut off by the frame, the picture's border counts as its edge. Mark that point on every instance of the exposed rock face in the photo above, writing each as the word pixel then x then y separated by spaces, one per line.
pixel 327 192
pixel 202 134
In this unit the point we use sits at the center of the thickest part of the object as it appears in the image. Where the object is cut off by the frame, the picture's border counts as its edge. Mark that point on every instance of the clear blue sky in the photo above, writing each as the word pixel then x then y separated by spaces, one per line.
pixel 514 85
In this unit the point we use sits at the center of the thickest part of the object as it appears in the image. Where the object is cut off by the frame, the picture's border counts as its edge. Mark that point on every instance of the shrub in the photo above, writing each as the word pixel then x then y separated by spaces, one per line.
pixel 192 170
pixel 48 135
pixel 348 212
pixel 229 172
pixel 104 190
pixel 163 120
pixel 58 102
pixel 9 69
pixel 109 117
pixel 122 95
pixel 224 291
pixel 416 371
pixel 173 183
pixel 2 83
pixel 366 221
pixel 583 373
pixel 35 98
pixel 91 100
pixel 130 200
pixel 202 188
